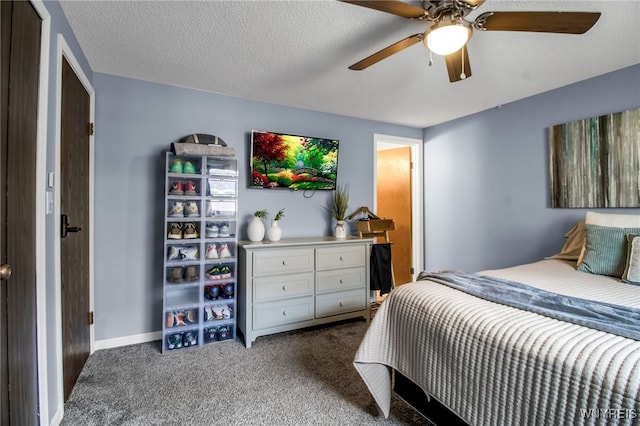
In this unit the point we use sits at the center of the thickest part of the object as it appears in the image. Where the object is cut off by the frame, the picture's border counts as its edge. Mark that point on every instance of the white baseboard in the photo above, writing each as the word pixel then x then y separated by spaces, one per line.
pixel 127 340
pixel 57 418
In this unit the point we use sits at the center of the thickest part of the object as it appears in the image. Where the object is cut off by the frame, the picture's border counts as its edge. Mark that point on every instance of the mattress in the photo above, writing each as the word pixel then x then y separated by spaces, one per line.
pixel 492 364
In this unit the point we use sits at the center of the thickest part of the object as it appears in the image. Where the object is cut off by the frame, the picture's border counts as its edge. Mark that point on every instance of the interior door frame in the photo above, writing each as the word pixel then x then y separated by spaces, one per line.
pixel 381 141
pixel 41 247
pixel 64 51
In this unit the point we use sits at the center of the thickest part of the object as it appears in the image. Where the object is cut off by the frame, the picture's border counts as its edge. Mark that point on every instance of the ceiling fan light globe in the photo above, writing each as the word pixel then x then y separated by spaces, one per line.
pixel 448 36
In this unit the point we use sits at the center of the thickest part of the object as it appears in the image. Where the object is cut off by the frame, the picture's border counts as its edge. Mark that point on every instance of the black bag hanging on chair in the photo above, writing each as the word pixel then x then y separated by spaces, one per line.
pixel 381 275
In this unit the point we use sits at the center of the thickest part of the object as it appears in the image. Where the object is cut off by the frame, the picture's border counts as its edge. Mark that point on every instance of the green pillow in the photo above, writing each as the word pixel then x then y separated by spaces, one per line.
pixel 606 250
pixel 632 269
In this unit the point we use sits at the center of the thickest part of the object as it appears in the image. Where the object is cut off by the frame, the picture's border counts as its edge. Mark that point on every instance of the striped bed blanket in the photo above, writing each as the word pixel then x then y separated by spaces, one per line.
pixel 493 364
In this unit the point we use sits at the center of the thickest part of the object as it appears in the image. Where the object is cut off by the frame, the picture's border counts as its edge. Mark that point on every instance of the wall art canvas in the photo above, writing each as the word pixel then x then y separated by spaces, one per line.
pixel 595 162
pixel 295 162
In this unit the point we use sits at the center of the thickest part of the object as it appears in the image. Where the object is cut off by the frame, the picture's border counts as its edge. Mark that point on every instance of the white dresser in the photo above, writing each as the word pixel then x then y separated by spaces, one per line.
pixel 301 282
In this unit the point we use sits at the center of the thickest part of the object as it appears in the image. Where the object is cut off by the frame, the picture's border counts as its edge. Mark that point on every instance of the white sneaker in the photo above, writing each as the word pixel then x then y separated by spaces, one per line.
pixel 224 251
pixel 183 253
pixel 192 209
pixel 191 252
pixel 174 253
pixel 212 252
pixel 177 209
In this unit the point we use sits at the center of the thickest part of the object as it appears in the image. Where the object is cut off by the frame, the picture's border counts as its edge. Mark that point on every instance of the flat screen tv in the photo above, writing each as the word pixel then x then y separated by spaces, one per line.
pixel 293 162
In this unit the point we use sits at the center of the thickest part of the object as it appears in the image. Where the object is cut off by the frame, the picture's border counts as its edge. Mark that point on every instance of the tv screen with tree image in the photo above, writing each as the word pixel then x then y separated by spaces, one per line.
pixel 293 162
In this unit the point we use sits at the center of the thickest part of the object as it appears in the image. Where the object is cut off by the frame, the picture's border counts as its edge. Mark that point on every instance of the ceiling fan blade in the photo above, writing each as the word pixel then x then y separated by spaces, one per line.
pixel 387 51
pixel 458 65
pixel 391 6
pixel 540 22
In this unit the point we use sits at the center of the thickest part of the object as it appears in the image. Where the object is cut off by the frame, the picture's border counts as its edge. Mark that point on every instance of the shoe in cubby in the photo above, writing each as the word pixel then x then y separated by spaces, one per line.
pixel 212 252
pixel 177 209
pixel 188 168
pixel 183 253
pixel 210 334
pixel 208 315
pixel 212 292
pixel 225 272
pixel 228 291
pixel 191 273
pixel 212 230
pixel 224 251
pixel 191 316
pixel 174 341
pixel 190 231
pixel 220 312
pixel 175 231
pixel 176 166
pixel 190 188
pixel 190 338
pixel 176 188
pixel 192 253
pixel 210 212
pixel 225 332
pixel 174 275
pixel 175 319
pixel 214 273
pixel 192 209
pixel 224 230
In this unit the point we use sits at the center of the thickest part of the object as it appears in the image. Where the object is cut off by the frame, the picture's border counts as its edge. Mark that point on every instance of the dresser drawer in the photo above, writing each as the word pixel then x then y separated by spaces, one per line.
pixel 282 286
pixel 340 257
pixel 273 262
pixel 340 279
pixel 340 302
pixel 273 314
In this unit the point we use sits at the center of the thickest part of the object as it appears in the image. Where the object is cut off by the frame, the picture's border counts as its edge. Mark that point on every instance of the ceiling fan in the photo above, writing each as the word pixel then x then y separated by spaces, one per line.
pixel 448 31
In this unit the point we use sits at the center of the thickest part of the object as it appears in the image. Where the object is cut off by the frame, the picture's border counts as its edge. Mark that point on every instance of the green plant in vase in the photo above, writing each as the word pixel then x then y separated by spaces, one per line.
pixel 338 209
pixel 274 233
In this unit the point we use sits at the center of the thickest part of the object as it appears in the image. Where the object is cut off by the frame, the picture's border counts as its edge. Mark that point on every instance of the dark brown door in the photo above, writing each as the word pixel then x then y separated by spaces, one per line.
pixel 21 26
pixel 394 202
pixel 74 206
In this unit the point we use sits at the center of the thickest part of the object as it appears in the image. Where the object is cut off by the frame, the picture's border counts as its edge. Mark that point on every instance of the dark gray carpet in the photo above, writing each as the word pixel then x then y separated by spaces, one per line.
pixel 303 377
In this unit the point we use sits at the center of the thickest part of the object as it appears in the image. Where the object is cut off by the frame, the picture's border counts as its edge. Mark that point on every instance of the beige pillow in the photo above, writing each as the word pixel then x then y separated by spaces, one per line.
pixel 574 241
pixel 611 220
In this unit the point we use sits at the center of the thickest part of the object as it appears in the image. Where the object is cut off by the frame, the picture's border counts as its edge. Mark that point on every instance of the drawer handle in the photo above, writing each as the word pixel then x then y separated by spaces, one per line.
pixel 284 313
pixel 284 288
pixel 341 305
pixel 284 263
pixel 341 281
pixel 341 258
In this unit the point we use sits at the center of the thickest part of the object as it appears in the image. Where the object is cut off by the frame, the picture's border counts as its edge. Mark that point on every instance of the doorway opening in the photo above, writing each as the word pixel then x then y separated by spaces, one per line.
pixel 398 195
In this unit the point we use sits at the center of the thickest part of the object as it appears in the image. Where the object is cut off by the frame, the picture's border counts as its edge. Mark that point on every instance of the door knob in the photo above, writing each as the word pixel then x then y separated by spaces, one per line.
pixel 65 228
pixel 5 272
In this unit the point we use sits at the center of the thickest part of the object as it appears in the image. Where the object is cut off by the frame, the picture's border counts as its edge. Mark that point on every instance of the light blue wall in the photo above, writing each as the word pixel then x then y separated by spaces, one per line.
pixel 136 121
pixel 487 176
pixel 486 180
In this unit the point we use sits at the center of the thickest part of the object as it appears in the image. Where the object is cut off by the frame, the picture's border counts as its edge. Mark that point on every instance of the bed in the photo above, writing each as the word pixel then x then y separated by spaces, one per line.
pixel 493 364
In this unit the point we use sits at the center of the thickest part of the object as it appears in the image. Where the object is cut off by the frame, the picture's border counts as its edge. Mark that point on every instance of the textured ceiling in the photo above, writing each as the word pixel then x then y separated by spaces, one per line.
pixel 296 53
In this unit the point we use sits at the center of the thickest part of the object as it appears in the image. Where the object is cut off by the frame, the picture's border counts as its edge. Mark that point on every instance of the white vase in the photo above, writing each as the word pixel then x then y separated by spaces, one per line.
pixel 274 233
pixel 255 230
pixel 340 232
